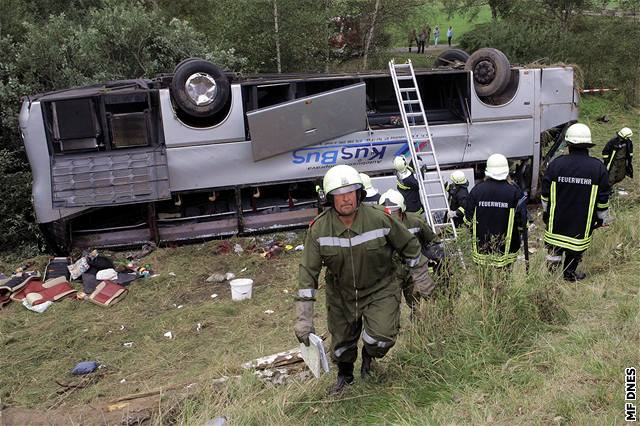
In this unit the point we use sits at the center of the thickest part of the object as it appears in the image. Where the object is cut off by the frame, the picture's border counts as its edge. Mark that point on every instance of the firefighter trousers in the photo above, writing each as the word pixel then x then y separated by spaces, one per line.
pixel 378 322
pixel 571 259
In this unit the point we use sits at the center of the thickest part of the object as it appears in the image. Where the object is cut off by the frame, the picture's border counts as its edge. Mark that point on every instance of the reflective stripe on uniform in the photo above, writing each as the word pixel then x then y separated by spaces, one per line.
pixel 307 293
pixel 603 206
pixel 613 155
pixel 461 209
pixel 575 244
pixel 414 230
pixel 413 262
pixel 342 349
pixel 552 208
pixel 402 186
pixel 491 259
pixel 371 341
pixel 357 240
pixel 592 203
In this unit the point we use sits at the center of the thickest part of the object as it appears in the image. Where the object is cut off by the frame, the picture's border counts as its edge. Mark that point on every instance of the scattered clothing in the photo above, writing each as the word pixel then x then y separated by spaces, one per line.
pixel 38 308
pixel 78 268
pixel 37 292
pixel 84 367
pixel 57 267
pixel 18 281
pixel 107 293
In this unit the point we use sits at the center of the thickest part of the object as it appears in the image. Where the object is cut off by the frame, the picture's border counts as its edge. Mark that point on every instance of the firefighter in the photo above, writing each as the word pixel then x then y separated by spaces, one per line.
pixel 356 243
pixel 458 190
pixel 373 195
pixel 407 184
pixel 575 199
pixel 393 203
pixel 618 156
pixel 495 216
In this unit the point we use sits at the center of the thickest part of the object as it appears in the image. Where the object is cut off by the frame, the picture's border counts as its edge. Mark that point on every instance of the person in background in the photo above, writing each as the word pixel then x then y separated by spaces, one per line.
pixel 575 200
pixel 407 184
pixel 494 212
pixel 449 35
pixel 617 156
pixel 393 202
pixel 373 195
pixel 412 37
pixel 458 190
pixel 422 37
pixel 436 35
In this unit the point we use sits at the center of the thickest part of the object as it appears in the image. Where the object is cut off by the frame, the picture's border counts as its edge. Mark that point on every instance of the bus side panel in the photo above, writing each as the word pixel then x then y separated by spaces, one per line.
pixel 229 164
pixel 512 138
pixel 35 143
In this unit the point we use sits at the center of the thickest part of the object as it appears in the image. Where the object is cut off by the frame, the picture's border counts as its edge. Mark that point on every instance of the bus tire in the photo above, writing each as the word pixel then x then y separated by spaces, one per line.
pixel 192 68
pixel 449 57
pixel 491 71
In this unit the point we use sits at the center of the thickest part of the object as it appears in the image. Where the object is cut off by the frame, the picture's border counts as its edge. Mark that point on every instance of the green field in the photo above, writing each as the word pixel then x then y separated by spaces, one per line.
pixel 520 348
pixel 432 16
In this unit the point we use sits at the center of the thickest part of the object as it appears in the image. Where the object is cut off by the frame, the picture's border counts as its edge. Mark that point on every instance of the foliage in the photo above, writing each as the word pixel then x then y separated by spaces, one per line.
pixel 471 8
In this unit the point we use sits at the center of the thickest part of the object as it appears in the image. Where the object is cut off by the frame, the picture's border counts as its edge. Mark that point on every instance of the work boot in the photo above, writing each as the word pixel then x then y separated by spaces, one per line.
pixel 345 377
pixel 574 276
pixel 365 368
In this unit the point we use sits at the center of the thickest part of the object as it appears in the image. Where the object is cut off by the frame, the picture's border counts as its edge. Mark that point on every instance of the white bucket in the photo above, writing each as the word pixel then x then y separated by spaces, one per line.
pixel 241 288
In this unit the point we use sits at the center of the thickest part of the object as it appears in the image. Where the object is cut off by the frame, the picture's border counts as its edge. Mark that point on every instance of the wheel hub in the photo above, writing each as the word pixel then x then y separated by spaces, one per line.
pixel 484 72
pixel 201 88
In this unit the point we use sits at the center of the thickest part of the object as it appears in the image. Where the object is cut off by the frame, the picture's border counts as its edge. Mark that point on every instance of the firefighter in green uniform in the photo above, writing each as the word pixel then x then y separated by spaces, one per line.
pixel 393 203
pixel 356 243
pixel 575 201
pixel 495 215
pixel 618 156
pixel 458 190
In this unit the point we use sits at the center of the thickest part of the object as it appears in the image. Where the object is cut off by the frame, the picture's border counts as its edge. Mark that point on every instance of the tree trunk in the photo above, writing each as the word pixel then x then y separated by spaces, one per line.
pixel 275 21
pixel 370 35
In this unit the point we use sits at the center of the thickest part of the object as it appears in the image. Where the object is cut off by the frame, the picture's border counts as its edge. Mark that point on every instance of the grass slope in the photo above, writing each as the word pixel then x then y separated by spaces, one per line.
pixel 520 348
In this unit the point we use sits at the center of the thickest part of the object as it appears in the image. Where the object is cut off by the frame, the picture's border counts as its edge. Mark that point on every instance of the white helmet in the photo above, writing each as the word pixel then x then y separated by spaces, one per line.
pixel 368 186
pixel 625 133
pixel 341 179
pixel 392 200
pixel 458 177
pixel 578 134
pixel 400 163
pixel 497 167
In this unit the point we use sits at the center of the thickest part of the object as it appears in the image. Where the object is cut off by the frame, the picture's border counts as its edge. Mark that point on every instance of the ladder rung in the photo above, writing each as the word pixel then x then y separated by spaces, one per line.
pixel 407 89
pixel 404 77
pixel 441 225
pixel 414 114
pixel 411 101
pixel 439 210
pixel 431 181
pixel 401 65
pixel 436 195
pixel 424 153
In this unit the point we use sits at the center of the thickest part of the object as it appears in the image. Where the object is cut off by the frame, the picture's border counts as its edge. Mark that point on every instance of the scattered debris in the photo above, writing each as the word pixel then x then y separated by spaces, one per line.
pixel 122 327
pixel 243 269
pixel 122 381
pixel 216 421
pixel 146 250
pixel 229 276
pixel 285 291
pixel 623 193
pixel 84 367
pixel 269 311
pixel 237 248
pixel 215 278
pixel 288 247
pixel 172 274
pixel 214 295
pixel 299 247
pixel 128 344
pixel 603 119
pixel 37 308
pixel 199 327
pixel 168 335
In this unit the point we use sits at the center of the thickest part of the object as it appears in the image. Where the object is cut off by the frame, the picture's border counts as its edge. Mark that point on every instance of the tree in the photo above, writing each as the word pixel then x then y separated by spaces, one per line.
pixel 472 7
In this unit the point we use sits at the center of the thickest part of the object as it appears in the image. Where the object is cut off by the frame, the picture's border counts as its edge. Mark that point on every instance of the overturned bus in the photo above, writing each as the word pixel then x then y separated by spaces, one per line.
pixel 202 153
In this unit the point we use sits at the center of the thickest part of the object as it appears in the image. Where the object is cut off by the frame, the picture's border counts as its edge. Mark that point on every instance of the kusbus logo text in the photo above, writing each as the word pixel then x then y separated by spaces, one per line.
pixel 330 155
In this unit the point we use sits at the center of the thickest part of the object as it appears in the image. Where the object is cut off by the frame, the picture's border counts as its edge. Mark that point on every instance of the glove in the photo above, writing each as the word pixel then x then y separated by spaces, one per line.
pixel 453 213
pixel 304 321
pixel 423 284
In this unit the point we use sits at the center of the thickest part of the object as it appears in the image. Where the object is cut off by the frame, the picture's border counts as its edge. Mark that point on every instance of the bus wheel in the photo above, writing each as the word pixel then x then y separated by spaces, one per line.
pixel 450 57
pixel 199 88
pixel 491 71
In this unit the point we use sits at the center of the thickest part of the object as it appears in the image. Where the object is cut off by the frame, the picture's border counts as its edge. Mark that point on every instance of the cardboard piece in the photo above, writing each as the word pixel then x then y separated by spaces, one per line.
pixel 314 355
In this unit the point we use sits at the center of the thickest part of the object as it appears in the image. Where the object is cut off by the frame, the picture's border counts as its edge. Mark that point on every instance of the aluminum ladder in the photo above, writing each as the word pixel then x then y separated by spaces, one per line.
pixel 433 194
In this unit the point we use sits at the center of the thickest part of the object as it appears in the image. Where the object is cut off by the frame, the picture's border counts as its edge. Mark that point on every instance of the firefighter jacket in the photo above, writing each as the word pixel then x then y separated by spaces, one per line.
pixel 618 157
pixel 358 260
pixel 418 226
pixel 373 200
pixel 458 200
pixel 496 218
pixel 574 187
pixel 408 186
